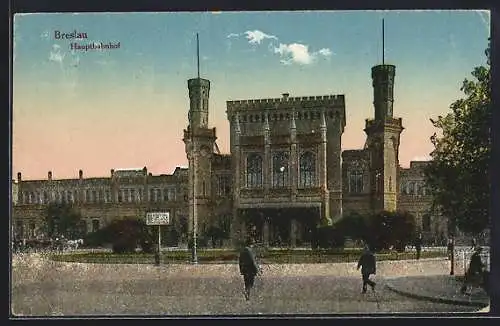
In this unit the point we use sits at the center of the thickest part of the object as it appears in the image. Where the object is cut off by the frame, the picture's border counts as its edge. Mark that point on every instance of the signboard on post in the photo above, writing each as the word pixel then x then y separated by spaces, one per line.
pixel 158 218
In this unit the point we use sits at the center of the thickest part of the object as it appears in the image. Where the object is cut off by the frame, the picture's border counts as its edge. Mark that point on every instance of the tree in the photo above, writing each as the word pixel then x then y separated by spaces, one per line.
pixel 458 174
pixel 63 219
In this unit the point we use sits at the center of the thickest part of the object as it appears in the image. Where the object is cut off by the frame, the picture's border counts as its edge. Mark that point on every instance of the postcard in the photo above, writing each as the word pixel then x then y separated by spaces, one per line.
pixel 250 163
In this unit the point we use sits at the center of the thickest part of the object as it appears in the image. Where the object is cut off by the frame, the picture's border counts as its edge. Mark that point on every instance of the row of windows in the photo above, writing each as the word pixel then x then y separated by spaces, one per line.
pixel 32 228
pixel 97 196
pixel 315 115
pixel 417 188
pixel 281 170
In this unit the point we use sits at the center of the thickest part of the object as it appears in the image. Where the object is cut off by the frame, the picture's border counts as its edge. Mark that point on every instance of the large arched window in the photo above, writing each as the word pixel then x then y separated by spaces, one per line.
pixel 307 170
pixel 254 171
pixel 280 169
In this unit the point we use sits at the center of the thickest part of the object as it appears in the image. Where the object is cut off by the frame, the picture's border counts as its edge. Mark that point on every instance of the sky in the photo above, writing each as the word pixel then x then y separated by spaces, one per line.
pixel 126 107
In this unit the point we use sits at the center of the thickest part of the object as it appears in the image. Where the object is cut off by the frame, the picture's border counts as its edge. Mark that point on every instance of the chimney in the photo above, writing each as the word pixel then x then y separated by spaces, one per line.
pixel 80 174
pixel 112 172
pixel 285 95
pixel 150 174
pixel 49 175
pixel 145 171
pixel 18 176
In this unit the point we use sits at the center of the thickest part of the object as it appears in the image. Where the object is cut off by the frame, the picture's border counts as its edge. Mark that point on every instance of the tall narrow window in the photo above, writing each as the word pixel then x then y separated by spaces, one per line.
pixel 280 169
pixel 95 225
pixel 356 181
pixel 166 194
pixel 411 188
pixel 417 188
pixel 223 186
pixel 307 173
pixel 254 171
pixel 32 230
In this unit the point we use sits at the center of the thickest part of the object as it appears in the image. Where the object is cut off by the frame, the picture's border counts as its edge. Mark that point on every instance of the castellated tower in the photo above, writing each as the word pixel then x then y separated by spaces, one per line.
pixel 383 135
pixel 199 144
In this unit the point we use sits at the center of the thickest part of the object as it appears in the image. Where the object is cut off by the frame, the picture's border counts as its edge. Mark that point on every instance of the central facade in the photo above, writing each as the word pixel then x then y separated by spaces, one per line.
pixel 286 165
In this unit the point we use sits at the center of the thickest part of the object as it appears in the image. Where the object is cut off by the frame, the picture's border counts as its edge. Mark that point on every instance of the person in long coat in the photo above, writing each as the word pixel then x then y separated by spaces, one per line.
pixel 248 267
pixel 368 265
pixel 475 272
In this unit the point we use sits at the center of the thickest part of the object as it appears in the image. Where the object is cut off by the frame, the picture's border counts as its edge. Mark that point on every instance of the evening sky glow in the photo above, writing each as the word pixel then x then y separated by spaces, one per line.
pixel 98 110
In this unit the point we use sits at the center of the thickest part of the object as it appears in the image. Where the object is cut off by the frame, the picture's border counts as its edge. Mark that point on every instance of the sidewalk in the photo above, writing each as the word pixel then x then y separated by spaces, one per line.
pixel 438 288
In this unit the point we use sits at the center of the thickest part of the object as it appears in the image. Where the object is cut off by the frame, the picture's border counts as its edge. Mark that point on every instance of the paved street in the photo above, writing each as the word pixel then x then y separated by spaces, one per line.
pixel 46 288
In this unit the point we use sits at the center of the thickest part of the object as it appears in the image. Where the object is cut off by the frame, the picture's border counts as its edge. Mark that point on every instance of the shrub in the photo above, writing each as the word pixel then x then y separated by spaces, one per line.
pixel 353 225
pixel 328 237
pixel 124 235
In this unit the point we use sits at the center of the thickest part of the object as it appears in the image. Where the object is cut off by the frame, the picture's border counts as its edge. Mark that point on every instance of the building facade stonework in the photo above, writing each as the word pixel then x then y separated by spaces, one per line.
pixel 284 174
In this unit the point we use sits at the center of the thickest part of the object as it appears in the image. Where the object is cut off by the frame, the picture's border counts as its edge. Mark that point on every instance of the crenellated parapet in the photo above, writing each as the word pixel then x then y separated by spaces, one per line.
pixel 286 103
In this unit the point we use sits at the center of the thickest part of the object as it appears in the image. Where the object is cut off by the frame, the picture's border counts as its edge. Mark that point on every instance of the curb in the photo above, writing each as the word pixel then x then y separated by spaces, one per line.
pixel 472 303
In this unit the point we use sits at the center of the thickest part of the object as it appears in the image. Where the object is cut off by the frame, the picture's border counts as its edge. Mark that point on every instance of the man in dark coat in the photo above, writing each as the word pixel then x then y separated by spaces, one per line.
pixel 368 266
pixel 248 267
pixel 475 272
pixel 418 245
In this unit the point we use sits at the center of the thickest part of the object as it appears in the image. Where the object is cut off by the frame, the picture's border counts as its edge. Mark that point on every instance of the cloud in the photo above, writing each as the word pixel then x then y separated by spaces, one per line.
pixel 290 53
pixel 299 53
pixel 294 52
pixel 56 54
pixel 256 36
pixel 325 52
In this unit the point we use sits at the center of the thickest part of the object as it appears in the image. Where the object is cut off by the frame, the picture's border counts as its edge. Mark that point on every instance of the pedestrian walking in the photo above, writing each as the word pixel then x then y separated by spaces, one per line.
pixel 418 245
pixel 248 267
pixel 475 274
pixel 368 266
